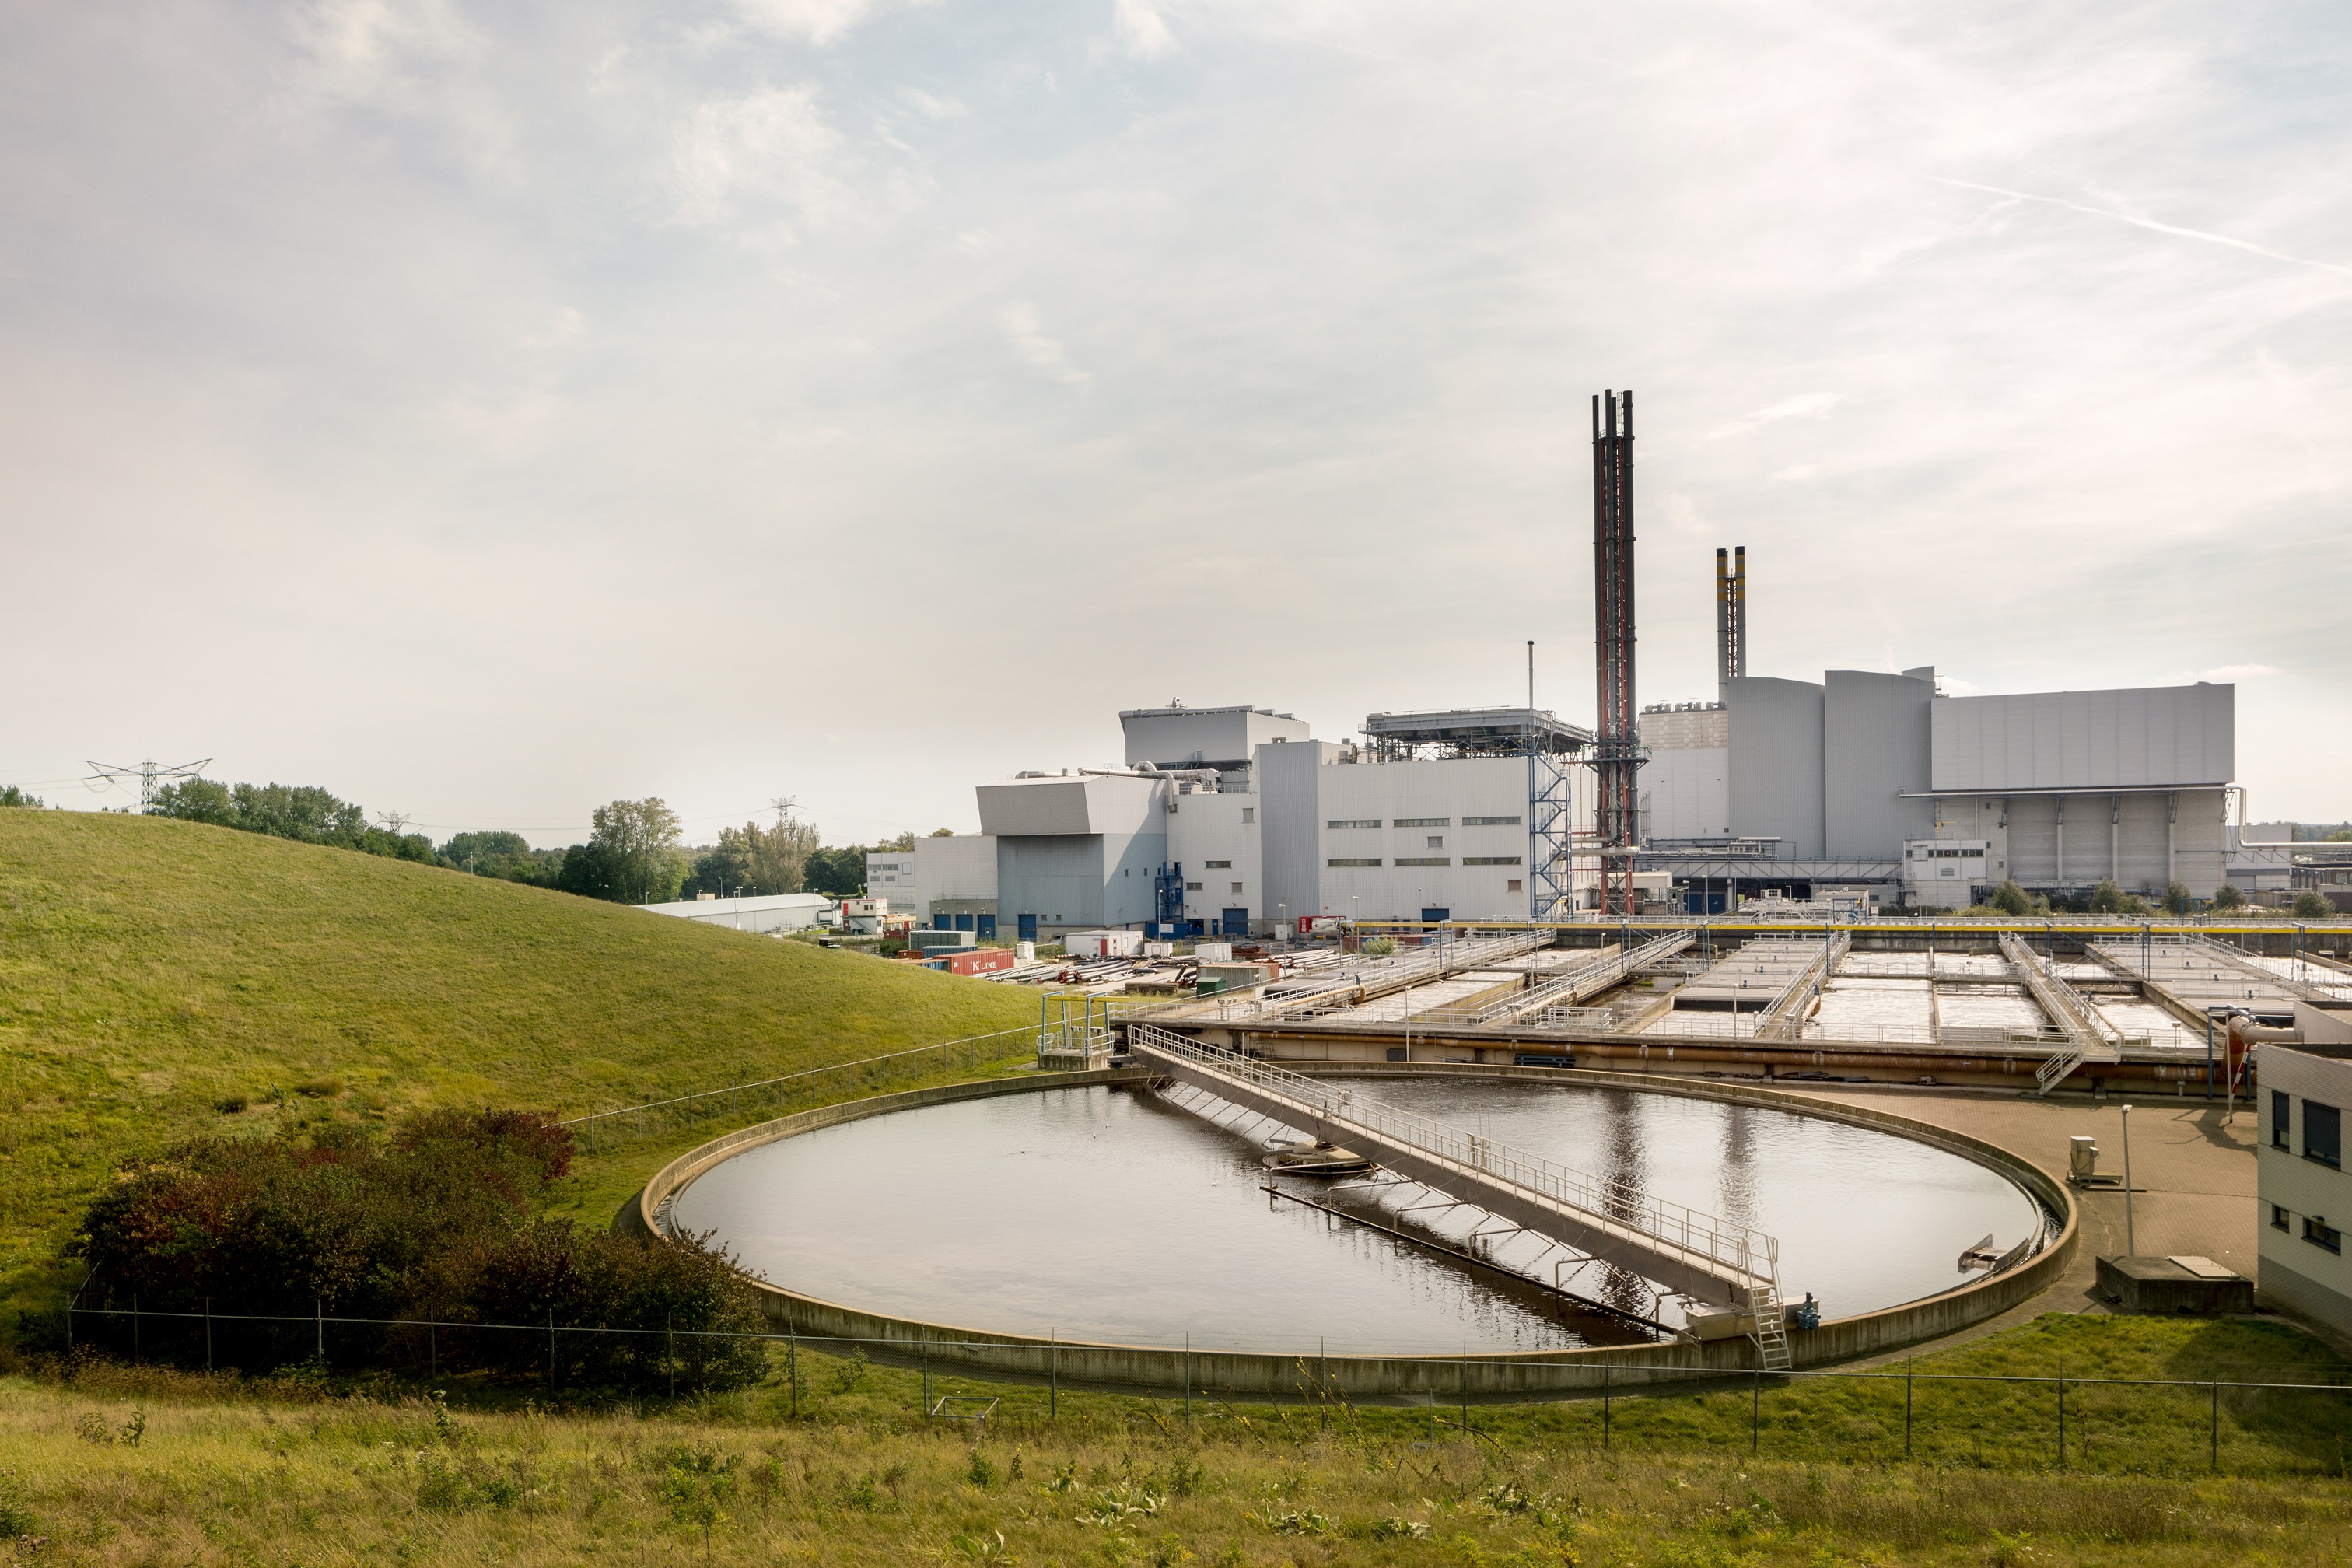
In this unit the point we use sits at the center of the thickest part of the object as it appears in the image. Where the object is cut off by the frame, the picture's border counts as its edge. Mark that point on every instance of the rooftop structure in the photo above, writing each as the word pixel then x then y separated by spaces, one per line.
pixel 1472 733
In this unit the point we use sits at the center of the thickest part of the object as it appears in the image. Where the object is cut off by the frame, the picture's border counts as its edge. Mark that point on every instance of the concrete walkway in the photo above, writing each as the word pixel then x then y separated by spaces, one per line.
pixel 2195 1164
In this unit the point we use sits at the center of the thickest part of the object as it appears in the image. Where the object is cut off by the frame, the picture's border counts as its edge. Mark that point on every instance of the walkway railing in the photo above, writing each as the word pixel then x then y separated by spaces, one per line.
pixel 1608 1201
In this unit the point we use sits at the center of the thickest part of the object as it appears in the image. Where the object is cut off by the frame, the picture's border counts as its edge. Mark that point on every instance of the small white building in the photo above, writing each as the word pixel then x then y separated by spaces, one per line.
pixel 767 913
pixel 2303 1192
pixel 1946 873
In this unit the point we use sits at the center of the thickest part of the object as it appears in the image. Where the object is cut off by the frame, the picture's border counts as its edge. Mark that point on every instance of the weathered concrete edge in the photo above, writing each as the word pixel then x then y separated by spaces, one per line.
pixel 1506 1374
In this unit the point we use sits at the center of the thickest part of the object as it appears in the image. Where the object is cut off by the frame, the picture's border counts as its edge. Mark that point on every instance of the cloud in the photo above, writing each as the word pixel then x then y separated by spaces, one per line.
pixel 1043 352
pixel 2148 223
pixel 373 51
pixel 1805 405
pixel 772 148
pixel 1139 28
pixel 566 325
pixel 818 22
pixel 2238 671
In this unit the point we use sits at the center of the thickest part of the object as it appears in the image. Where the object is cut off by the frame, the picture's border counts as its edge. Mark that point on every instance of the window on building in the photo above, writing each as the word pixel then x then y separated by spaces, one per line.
pixel 1436 841
pixel 1513 886
pixel 1337 865
pixel 1490 859
pixel 1490 822
pixel 1249 814
pixel 2323 1133
pixel 2278 1217
pixel 1424 822
pixel 1194 887
pixel 1424 860
pixel 2280 1102
pixel 1237 886
pixel 1355 822
pixel 1218 864
pixel 2319 1233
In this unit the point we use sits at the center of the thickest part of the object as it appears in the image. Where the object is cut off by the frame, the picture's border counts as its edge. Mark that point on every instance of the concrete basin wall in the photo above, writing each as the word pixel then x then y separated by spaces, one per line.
pixel 1258 1375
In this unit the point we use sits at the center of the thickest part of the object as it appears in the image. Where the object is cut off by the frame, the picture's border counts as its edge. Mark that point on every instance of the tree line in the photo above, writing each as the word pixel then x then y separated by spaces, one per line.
pixel 635 854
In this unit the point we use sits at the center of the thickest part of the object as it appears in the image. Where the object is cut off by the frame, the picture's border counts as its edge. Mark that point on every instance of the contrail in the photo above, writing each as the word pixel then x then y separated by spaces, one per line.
pixel 2147 223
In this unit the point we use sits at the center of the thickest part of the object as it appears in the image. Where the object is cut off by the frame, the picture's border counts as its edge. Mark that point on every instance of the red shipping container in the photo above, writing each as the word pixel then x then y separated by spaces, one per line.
pixel 979 960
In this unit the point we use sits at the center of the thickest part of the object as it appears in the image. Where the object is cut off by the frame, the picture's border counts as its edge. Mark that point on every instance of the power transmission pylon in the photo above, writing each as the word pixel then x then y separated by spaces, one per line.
pixel 146 772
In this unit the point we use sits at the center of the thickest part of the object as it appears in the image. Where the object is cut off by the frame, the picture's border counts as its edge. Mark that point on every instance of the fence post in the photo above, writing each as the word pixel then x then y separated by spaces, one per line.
pixel 134 1328
pixel 1465 1387
pixel 670 1348
pixel 1188 1377
pixel 1604 1404
pixel 1054 1376
pixel 2214 1432
pixel 1908 1362
pixel 208 1333
pixel 927 1380
pixel 1756 1411
pixel 2062 1413
pixel 318 1315
pixel 433 1340
pixel 792 1370
pixel 550 1350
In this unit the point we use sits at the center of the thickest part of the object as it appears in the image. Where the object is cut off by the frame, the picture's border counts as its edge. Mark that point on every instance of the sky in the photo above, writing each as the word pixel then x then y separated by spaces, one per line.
pixel 486 412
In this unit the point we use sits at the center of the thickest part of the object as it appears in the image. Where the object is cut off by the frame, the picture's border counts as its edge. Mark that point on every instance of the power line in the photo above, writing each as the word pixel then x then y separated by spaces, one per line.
pixel 109 775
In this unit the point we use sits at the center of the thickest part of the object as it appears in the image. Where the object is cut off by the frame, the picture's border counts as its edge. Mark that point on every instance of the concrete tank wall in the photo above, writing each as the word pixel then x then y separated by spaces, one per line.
pixel 1164 1370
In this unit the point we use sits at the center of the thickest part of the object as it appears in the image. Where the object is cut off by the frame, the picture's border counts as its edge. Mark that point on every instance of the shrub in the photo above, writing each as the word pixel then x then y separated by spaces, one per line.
pixel 321 1087
pixel 2311 906
pixel 229 1104
pixel 2008 899
pixel 2228 898
pixel 2177 898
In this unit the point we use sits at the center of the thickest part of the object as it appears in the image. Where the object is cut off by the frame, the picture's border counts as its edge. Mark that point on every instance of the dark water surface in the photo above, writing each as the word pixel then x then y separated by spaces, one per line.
pixel 1108 1213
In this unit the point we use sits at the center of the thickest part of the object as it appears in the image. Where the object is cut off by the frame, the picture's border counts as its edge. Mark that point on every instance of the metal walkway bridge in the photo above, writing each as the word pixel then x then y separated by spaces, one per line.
pixel 1682 1249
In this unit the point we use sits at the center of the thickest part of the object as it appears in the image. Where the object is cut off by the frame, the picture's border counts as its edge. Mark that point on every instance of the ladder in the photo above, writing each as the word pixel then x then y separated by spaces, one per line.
pixel 1771 1320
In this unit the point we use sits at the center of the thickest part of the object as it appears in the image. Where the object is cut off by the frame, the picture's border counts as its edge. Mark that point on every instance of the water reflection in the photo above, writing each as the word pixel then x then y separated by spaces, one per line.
pixel 1112 1214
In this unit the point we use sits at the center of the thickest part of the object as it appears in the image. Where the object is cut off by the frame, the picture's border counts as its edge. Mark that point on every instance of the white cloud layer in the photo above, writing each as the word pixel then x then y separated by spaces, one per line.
pixel 489 411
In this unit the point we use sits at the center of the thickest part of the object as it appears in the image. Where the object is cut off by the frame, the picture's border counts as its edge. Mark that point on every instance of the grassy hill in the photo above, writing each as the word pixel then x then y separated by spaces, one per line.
pixel 150 969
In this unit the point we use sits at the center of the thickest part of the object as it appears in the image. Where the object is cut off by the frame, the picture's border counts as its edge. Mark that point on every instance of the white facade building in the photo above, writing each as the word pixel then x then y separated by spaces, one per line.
pixel 2304 1193
pixel 1687 785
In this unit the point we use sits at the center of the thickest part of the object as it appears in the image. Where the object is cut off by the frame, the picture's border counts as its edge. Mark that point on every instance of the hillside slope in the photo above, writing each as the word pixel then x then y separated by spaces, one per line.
pixel 149 969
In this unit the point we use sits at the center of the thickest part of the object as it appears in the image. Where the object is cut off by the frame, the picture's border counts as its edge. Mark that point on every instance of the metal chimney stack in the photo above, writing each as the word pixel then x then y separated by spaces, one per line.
pixel 1617 753
pixel 1731 621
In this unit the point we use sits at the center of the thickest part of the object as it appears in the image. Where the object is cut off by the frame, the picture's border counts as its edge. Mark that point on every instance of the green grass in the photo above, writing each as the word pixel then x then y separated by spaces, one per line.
pixel 228 1470
pixel 150 969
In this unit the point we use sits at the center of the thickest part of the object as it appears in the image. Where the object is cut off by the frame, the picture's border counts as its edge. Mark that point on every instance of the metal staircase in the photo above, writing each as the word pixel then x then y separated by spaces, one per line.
pixel 2089 1037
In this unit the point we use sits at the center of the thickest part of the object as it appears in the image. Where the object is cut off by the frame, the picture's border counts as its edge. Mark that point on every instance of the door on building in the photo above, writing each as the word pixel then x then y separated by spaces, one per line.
pixel 1236 923
pixel 1429 917
pixel 963 922
pixel 1028 928
pixel 984 927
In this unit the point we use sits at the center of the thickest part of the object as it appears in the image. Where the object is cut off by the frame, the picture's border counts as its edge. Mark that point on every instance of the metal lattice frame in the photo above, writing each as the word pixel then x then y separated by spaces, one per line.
pixel 1618 751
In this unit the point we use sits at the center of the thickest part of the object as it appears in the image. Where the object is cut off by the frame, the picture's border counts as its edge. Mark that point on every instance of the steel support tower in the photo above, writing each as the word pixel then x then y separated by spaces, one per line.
pixel 1731 621
pixel 1617 747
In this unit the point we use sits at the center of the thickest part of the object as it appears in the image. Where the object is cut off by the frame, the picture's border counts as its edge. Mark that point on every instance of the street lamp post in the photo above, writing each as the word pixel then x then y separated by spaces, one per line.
pixel 2131 1243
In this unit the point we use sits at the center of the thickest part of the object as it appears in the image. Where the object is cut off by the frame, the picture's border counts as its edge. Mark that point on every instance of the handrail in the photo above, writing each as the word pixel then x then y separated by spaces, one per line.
pixel 1606 1199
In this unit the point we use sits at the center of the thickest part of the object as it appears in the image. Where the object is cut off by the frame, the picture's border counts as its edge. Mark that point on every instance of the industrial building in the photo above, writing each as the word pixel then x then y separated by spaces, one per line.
pixel 1865 785
pixel 1872 779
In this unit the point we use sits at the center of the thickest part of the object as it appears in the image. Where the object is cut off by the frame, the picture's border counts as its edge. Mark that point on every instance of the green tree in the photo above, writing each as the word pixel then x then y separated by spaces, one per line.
pixel 761 860
pixel 639 842
pixel 2227 897
pixel 837 872
pixel 2178 900
pixel 2106 898
pixel 2011 900
pixel 12 796
pixel 2310 905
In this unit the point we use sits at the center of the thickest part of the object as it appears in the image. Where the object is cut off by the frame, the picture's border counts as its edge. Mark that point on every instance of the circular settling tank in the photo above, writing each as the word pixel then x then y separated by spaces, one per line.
pixel 1108 1213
